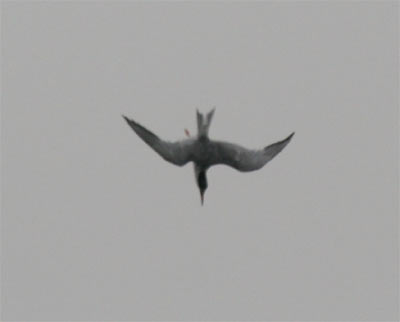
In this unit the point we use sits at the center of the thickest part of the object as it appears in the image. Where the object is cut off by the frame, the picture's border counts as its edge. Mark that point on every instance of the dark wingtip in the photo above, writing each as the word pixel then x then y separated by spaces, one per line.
pixel 289 137
pixel 128 120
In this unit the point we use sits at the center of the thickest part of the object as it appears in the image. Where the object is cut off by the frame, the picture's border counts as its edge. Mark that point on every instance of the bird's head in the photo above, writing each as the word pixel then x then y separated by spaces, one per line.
pixel 202 184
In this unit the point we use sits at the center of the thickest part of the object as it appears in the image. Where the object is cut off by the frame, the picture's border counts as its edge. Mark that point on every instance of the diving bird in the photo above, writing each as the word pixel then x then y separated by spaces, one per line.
pixel 205 152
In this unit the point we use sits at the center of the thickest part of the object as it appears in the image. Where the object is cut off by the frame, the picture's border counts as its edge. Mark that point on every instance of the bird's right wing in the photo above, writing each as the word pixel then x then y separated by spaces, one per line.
pixel 243 159
pixel 178 153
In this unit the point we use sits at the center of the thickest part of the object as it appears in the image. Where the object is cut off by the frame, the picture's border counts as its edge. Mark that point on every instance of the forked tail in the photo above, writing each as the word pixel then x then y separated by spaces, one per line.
pixel 204 122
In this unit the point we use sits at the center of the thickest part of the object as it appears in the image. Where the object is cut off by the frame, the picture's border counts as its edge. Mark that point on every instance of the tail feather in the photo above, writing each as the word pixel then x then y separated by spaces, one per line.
pixel 199 121
pixel 204 122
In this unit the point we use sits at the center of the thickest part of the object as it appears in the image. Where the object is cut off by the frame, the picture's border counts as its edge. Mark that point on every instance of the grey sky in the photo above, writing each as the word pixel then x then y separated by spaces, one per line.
pixel 96 226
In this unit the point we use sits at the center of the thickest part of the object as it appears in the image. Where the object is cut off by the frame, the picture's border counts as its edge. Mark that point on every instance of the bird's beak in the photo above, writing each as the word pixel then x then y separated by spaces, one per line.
pixel 202 197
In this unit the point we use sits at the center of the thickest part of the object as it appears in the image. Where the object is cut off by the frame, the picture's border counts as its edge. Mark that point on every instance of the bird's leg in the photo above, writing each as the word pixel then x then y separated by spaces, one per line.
pixel 187 133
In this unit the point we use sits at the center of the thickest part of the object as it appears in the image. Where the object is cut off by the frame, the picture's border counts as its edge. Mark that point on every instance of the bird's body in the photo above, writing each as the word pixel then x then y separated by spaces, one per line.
pixel 204 152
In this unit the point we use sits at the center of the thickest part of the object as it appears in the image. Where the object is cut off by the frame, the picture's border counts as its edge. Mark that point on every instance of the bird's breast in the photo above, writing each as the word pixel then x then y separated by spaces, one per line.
pixel 203 153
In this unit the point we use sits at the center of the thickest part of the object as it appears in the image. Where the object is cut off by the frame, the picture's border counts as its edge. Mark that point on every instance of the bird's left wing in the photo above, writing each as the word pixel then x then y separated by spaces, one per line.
pixel 178 153
pixel 243 159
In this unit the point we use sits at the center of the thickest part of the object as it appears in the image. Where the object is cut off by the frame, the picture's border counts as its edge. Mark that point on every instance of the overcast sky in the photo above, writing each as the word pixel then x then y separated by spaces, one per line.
pixel 96 226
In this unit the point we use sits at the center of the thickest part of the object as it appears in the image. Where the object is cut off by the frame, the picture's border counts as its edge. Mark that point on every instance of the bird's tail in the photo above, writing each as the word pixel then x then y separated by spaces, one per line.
pixel 204 122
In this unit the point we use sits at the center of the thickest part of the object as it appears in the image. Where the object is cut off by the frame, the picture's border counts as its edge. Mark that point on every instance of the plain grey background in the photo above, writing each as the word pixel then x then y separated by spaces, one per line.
pixel 96 226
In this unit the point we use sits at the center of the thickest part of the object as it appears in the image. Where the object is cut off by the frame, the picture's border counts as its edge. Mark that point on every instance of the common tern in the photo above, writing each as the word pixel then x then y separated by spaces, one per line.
pixel 205 152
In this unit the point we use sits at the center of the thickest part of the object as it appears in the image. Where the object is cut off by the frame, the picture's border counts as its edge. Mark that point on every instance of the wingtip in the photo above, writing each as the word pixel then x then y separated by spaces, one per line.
pixel 290 136
pixel 128 120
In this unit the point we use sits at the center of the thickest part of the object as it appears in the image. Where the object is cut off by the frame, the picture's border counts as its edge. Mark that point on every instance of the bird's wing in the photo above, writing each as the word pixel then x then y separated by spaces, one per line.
pixel 243 159
pixel 178 153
